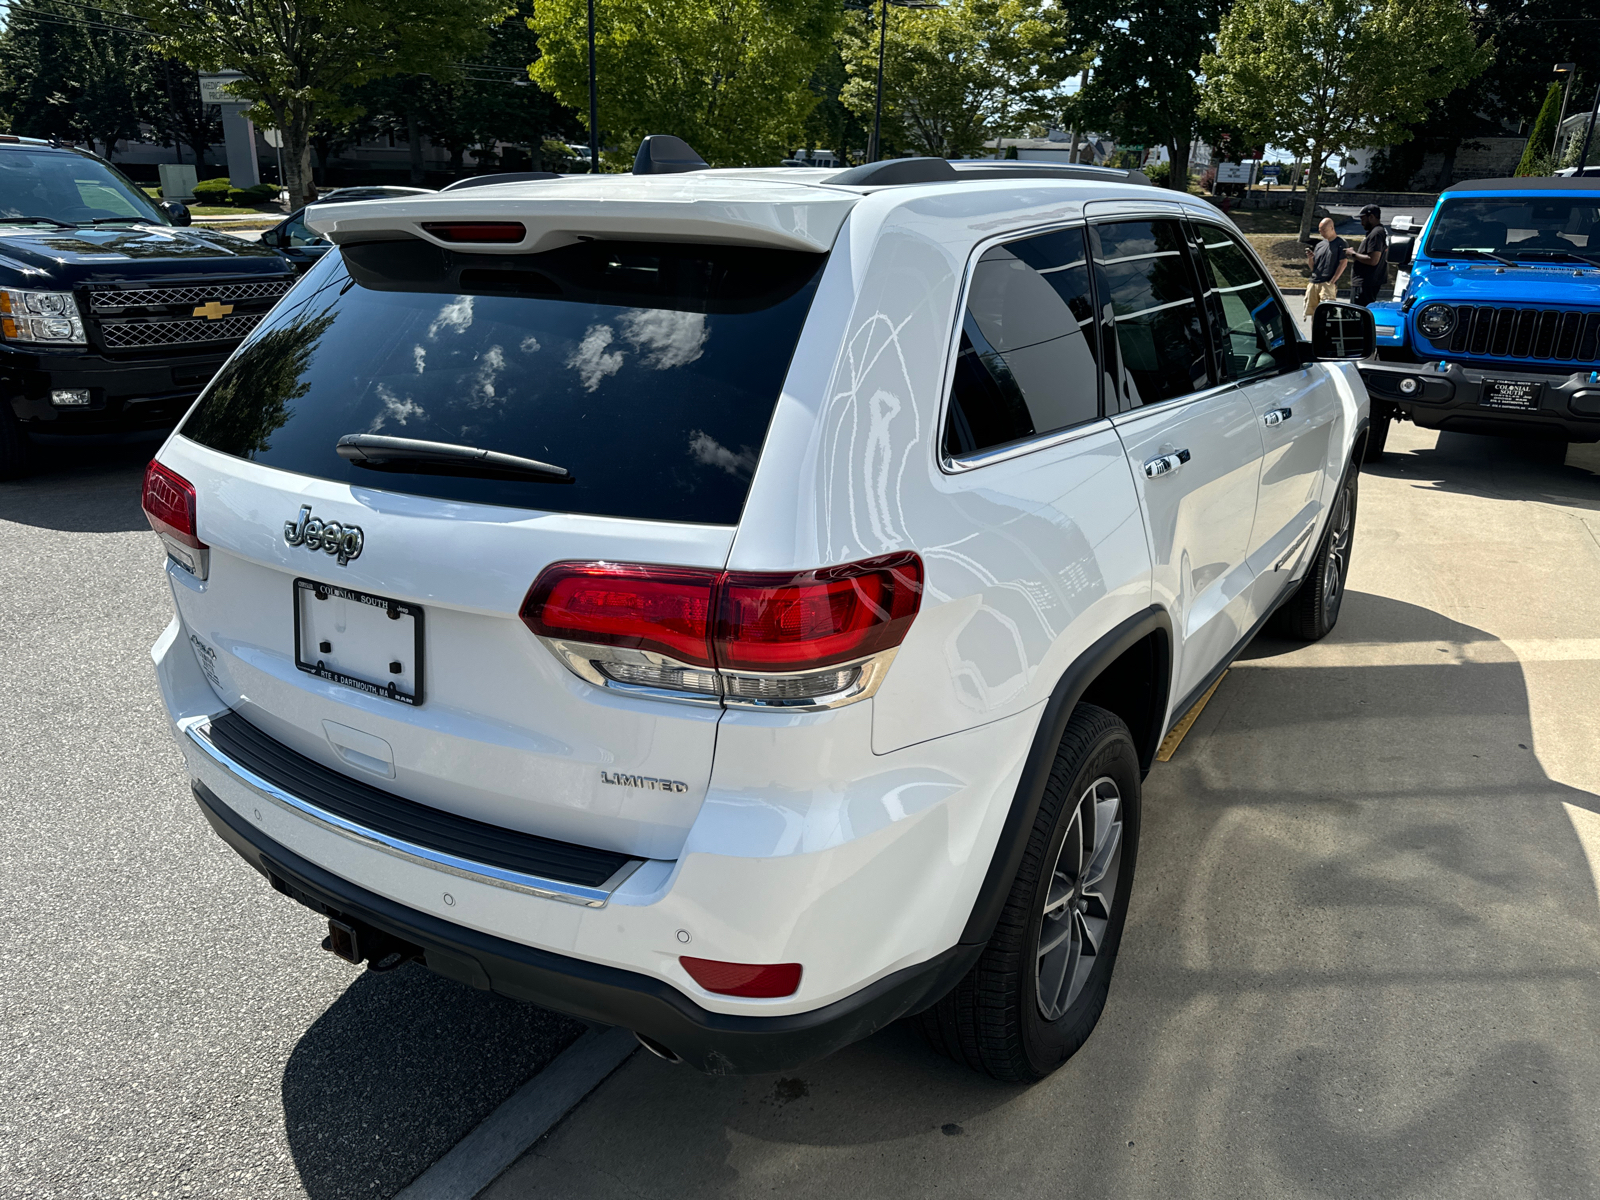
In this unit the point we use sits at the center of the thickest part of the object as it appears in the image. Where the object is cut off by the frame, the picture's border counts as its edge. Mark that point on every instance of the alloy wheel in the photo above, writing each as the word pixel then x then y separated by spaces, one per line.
pixel 1077 907
pixel 1338 562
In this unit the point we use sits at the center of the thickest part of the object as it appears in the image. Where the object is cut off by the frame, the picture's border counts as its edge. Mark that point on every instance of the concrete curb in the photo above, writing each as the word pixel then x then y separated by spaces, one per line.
pixel 474 1162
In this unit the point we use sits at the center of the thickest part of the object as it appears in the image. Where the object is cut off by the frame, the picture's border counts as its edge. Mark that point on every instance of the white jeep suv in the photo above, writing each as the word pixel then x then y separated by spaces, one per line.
pixel 741 605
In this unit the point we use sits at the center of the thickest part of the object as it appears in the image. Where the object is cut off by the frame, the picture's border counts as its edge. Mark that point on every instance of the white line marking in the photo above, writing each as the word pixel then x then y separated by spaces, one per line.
pixel 474 1162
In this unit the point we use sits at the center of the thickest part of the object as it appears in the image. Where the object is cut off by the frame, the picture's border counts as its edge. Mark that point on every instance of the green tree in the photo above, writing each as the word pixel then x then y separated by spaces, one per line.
pixel 1145 85
pixel 958 76
pixel 730 77
pixel 1320 77
pixel 76 72
pixel 298 56
pixel 1536 154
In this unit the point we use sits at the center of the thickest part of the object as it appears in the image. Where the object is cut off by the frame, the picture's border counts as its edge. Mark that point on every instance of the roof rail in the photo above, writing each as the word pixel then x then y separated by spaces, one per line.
pixel 472 181
pixel 1031 169
pixel 894 172
pixel 663 154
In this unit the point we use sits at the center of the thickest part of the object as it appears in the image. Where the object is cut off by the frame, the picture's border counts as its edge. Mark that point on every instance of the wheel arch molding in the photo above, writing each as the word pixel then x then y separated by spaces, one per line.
pixel 1145 641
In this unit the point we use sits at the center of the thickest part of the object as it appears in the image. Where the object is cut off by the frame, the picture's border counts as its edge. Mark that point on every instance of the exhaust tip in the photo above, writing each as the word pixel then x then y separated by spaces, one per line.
pixel 656 1048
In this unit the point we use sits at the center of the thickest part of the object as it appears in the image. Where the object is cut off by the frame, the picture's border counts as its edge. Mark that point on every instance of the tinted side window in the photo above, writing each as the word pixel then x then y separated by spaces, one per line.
pixel 1156 310
pixel 1027 361
pixel 1246 318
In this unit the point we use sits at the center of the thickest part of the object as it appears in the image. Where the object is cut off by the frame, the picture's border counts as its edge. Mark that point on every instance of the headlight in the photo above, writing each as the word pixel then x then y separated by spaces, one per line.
pixel 49 317
pixel 1436 321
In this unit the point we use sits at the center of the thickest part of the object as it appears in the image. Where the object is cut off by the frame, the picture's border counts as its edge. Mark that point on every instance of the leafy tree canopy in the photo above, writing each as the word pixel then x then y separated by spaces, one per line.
pixel 1323 77
pixel 1145 85
pixel 298 56
pixel 730 77
pixel 960 75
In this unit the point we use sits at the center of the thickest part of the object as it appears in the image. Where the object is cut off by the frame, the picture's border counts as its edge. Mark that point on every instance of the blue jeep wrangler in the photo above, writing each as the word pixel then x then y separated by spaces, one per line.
pixel 1497 329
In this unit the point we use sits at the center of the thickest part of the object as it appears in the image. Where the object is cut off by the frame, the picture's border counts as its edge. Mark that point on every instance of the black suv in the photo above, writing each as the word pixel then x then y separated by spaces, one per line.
pixel 113 316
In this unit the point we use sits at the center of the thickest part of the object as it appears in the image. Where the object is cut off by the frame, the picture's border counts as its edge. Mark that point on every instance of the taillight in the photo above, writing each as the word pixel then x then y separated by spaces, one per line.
pixel 816 618
pixel 756 980
pixel 666 609
pixel 169 506
pixel 477 231
pixel 813 639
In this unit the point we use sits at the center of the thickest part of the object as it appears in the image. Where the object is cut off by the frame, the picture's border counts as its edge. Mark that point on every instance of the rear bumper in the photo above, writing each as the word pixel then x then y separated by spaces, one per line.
pixel 1452 398
pixel 717 1043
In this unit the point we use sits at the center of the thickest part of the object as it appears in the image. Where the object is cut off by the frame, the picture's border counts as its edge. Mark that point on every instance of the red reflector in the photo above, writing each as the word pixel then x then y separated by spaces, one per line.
pixel 169 504
pixel 744 979
pixel 816 618
pixel 476 231
pixel 665 609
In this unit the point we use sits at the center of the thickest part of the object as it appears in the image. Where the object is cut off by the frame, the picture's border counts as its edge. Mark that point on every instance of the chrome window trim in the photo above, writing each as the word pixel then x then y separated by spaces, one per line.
pixel 1134 415
pixel 1005 453
pixel 197 730
pixel 955 466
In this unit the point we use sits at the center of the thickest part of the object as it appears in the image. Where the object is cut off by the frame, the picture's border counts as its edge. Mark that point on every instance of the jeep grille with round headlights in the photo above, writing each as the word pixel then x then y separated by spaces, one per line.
pixel 1436 321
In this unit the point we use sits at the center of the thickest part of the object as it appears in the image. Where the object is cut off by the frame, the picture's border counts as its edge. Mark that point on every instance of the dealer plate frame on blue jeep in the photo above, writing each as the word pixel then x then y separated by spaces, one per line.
pixel 1511 395
pixel 370 643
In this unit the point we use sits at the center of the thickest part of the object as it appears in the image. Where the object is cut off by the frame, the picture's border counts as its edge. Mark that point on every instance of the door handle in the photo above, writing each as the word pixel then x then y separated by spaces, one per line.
pixel 1277 416
pixel 1165 464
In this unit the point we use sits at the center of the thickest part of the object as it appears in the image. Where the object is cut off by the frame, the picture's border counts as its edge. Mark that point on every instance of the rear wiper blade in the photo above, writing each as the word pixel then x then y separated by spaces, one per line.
pixel 31 220
pixel 443 458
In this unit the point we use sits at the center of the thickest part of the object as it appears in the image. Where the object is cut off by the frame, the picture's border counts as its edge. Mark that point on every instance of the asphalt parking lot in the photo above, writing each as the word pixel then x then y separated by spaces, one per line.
pixel 1363 957
pixel 171 1026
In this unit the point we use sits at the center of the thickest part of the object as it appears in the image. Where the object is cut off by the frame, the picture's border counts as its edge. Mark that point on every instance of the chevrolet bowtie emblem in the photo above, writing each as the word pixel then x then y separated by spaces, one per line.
pixel 211 310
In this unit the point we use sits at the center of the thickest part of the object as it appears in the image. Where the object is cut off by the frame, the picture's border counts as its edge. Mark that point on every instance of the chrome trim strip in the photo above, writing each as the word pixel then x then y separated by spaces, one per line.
pixel 1134 415
pixel 198 729
pixel 971 462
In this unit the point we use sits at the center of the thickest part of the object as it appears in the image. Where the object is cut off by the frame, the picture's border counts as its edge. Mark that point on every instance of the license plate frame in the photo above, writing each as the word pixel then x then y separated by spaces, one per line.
pixel 305 592
pixel 1511 395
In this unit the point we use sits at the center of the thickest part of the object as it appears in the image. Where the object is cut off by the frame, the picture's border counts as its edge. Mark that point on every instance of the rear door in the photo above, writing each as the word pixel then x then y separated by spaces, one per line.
pixel 1295 404
pixel 1192 439
pixel 368 617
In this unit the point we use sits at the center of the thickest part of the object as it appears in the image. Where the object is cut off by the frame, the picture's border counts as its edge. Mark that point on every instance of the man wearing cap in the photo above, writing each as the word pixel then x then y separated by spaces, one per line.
pixel 1327 263
pixel 1371 257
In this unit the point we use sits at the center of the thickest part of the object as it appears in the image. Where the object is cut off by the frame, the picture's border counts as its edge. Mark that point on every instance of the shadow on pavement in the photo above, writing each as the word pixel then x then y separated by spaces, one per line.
pixel 88 488
pixel 1504 468
pixel 1362 946
pixel 399 1069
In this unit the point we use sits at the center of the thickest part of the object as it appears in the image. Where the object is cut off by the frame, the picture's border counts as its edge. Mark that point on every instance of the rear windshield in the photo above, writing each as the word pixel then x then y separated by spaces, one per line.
pixel 1531 228
pixel 648 371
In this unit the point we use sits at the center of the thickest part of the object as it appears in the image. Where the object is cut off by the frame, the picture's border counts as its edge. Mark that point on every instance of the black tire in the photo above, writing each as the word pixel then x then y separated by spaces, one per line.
pixel 996 1020
pixel 16 451
pixel 1377 435
pixel 1311 613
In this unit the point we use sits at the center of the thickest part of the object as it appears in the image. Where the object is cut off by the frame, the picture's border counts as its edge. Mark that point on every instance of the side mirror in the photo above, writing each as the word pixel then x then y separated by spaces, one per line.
pixel 177 213
pixel 1400 251
pixel 1343 332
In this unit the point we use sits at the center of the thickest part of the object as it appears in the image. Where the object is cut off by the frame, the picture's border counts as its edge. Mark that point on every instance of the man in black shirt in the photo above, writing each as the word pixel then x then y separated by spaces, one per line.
pixel 1371 257
pixel 1327 263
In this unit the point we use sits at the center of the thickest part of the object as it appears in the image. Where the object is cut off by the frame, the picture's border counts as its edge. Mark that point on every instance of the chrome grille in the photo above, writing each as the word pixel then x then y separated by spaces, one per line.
pixel 113 300
pixel 1548 334
pixel 135 335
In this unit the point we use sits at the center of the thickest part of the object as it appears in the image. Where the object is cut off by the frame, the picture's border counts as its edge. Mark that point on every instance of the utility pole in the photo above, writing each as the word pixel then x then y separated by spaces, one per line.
pixel 1583 158
pixel 1567 69
pixel 594 101
pixel 877 106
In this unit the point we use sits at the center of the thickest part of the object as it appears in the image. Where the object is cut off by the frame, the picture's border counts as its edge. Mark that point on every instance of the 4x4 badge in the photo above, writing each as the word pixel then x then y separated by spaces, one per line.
pixel 344 541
